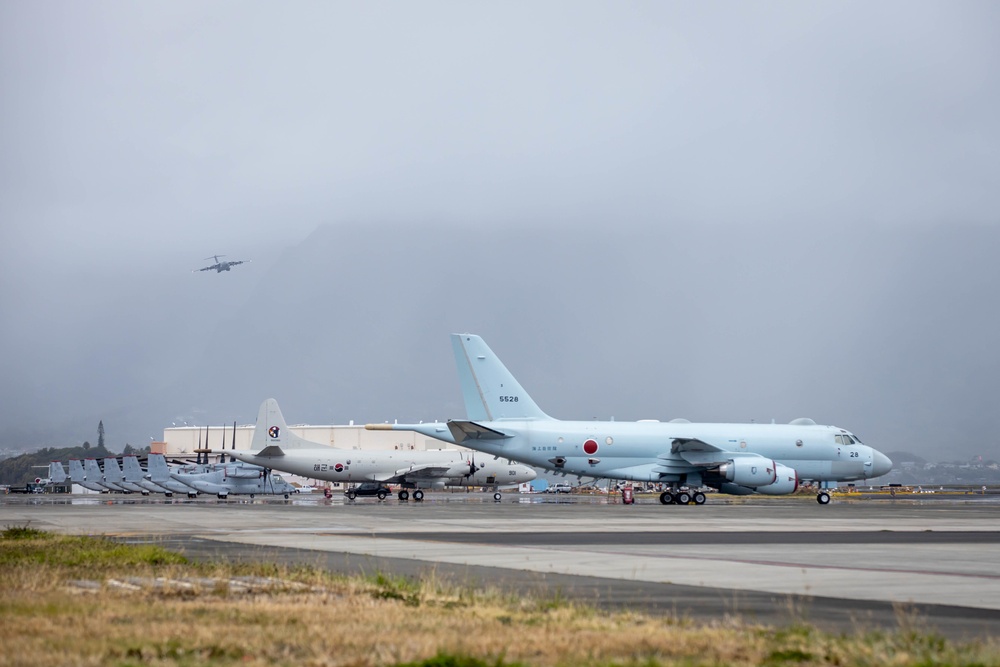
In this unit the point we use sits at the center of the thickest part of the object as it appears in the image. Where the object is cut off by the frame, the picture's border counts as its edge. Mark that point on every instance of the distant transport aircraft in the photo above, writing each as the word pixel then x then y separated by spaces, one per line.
pixel 224 265
pixel 738 459
pixel 274 446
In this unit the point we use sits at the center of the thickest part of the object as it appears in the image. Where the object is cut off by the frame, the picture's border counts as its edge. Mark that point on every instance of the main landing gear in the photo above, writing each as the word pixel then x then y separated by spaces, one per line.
pixel 403 494
pixel 682 498
pixel 823 498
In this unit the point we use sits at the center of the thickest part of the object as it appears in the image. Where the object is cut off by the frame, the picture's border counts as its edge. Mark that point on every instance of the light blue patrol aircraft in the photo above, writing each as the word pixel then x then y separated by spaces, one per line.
pixel 737 459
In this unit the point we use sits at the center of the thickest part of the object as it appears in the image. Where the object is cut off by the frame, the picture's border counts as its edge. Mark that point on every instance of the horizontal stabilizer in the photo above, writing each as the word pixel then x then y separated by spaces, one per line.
pixel 462 430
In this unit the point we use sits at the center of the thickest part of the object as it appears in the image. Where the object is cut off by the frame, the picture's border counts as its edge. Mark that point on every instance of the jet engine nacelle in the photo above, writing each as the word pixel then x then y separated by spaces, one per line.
pixel 787 482
pixel 751 471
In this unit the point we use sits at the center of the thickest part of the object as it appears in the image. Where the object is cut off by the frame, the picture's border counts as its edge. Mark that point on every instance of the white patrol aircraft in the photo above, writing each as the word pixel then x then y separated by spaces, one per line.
pixel 737 459
pixel 274 446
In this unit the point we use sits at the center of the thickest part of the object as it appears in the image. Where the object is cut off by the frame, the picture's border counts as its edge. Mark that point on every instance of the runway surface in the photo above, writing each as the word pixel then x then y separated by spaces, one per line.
pixel 852 564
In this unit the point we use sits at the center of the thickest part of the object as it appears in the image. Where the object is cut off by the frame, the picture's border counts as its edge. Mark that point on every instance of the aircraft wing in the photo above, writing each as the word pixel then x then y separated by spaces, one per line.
pixel 462 430
pixel 423 471
pixel 207 268
pixel 702 454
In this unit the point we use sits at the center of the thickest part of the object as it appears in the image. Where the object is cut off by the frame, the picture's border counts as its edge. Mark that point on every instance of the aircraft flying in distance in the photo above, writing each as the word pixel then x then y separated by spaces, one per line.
pixel 224 265
pixel 275 446
pixel 739 459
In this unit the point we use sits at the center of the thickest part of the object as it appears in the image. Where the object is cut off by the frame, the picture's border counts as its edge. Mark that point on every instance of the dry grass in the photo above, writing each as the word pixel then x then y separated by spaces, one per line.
pixel 177 613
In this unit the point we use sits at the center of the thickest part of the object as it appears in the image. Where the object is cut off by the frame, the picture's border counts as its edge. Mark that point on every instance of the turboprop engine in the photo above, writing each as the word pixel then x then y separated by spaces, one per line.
pixel 787 482
pixel 751 471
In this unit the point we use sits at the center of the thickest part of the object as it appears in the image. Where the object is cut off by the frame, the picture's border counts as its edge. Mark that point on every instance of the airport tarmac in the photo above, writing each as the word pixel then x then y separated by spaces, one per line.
pixel 852 564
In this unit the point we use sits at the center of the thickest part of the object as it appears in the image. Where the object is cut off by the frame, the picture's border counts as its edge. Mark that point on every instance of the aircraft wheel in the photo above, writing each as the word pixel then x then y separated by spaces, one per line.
pixel 222 496
pixel 823 498
pixel 497 497
pixel 418 495
pixel 381 495
pixel 699 498
pixel 168 495
pixel 145 493
pixel 192 495
pixel 403 495
pixel 351 495
pixel 683 498
pixel 666 498
pixel 251 496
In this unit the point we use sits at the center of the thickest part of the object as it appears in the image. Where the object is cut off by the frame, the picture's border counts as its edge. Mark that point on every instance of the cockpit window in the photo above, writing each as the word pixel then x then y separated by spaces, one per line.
pixel 840 440
pixel 857 440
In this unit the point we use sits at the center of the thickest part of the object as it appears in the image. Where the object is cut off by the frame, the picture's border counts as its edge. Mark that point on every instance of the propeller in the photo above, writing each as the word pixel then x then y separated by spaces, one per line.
pixel 222 457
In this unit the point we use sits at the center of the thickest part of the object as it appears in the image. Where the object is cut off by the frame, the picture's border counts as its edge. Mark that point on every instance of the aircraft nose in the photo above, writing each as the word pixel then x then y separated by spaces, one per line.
pixel 881 464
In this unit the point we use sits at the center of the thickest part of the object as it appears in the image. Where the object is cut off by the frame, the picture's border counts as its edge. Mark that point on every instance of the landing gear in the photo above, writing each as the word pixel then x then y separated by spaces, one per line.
pixel 403 494
pixel 823 498
pixel 682 498
pixel 286 496
pixel 251 496
pixel 497 496
pixel 418 495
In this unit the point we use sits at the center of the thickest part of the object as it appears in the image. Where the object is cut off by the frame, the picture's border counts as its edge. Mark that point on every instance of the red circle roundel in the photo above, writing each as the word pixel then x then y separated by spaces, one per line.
pixel 339 467
pixel 590 447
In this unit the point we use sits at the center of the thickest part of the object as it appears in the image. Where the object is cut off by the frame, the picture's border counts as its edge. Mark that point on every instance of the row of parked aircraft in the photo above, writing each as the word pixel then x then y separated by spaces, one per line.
pixel 504 422
pixel 220 479
pixel 409 470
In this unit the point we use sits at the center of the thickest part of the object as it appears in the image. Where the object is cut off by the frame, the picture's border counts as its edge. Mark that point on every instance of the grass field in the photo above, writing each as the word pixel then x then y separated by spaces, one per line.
pixel 90 601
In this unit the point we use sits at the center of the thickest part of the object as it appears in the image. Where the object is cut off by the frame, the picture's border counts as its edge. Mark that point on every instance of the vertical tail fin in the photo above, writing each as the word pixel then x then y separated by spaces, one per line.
pixel 56 473
pixel 76 473
pixel 489 389
pixel 272 431
pixel 93 470
pixel 111 470
pixel 159 471
pixel 131 469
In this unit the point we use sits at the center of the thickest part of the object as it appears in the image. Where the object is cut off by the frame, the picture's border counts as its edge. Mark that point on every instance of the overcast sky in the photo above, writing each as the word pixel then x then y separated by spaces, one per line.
pixel 712 210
